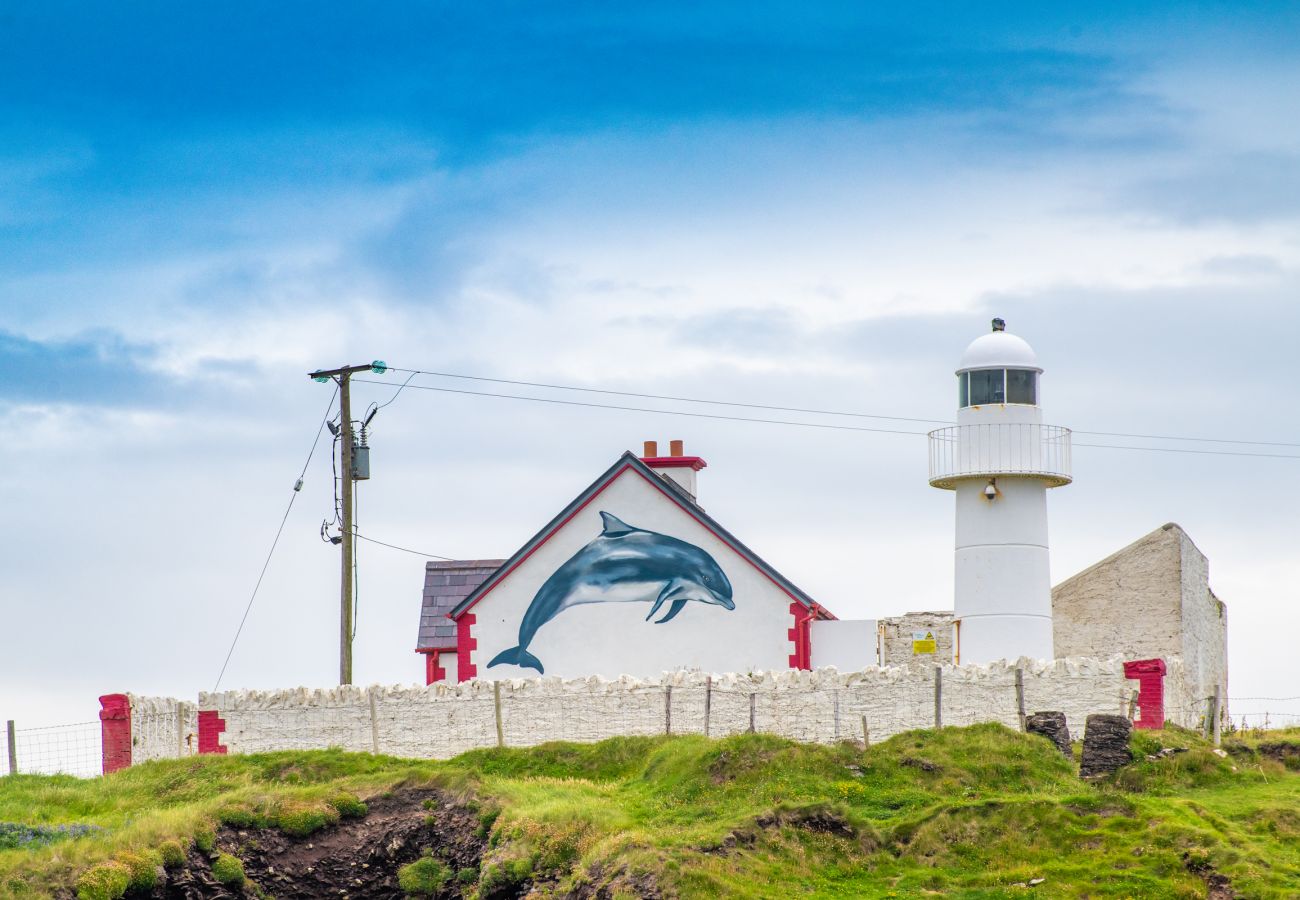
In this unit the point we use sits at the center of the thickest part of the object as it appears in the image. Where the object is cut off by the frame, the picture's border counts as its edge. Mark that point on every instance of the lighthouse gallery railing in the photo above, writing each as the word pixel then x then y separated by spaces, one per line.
pixel 1003 448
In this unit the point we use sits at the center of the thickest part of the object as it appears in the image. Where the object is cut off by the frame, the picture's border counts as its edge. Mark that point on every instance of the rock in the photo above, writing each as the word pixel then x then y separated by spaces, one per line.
pixel 1105 745
pixel 1052 726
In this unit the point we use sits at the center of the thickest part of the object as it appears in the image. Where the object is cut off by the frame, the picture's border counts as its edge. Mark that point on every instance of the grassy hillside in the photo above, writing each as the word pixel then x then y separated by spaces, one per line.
pixel 972 812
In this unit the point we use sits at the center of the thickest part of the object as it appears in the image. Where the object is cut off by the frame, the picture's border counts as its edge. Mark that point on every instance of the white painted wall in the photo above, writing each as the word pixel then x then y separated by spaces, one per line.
pixel 162 728
pixel 613 639
pixel 823 705
pixel 845 644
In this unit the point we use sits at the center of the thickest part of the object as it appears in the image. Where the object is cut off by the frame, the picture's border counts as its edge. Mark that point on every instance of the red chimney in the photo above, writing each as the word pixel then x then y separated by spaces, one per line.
pixel 677 467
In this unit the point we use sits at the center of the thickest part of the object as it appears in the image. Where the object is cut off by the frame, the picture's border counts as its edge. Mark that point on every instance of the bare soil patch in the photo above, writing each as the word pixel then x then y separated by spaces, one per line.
pixel 357 859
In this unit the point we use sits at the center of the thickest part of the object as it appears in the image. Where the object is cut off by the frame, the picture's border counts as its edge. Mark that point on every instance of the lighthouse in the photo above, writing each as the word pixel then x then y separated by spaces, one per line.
pixel 999 460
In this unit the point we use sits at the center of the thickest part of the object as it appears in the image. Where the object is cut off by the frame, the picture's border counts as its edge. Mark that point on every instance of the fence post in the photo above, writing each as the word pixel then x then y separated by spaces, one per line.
pixel 668 709
pixel 1020 696
pixel 751 713
pixel 866 735
pixel 180 730
pixel 837 715
pixel 496 703
pixel 13 748
pixel 1214 714
pixel 708 702
pixel 1218 710
pixel 938 696
pixel 374 722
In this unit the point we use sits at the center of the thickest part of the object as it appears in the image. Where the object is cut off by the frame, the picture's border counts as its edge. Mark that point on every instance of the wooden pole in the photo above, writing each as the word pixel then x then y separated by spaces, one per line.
pixel 496 702
pixel 374 723
pixel 751 713
pixel 13 748
pixel 866 734
pixel 346 543
pixel 1020 697
pixel 345 486
pixel 180 729
pixel 837 715
pixel 1214 714
pixel 708 702
pixel 938 696
pixel 668 709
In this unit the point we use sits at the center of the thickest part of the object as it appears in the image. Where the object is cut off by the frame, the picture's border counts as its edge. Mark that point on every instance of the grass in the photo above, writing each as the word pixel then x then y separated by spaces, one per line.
pixel 968 812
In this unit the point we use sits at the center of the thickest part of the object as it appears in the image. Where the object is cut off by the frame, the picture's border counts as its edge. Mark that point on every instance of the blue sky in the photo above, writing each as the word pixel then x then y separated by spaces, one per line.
pixel 758 202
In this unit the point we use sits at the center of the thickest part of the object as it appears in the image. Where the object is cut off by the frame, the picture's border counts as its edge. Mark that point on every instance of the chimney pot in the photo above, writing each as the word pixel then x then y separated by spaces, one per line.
pixel 675 448
pixel 651 449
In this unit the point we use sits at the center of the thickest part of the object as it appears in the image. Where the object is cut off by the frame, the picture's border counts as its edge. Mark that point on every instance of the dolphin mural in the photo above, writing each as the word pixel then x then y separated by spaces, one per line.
pixel 623 564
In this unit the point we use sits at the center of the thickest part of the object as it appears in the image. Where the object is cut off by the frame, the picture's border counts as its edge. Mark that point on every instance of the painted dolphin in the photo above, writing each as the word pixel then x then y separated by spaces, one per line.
pixel 623 564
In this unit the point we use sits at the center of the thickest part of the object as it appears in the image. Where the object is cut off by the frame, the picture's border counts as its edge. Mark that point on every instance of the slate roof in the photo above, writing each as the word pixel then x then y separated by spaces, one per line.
pixel 446 584
pixel 673 492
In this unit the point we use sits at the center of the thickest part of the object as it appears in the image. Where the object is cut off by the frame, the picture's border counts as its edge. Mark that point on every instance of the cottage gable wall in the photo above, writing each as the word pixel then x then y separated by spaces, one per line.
pixel 614 638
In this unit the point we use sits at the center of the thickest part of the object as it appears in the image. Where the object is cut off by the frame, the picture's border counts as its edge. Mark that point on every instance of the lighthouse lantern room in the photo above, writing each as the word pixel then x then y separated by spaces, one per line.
pixel 1000 459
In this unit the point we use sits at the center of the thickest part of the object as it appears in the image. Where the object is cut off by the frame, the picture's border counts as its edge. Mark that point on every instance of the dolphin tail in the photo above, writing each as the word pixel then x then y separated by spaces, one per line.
pixel 517 656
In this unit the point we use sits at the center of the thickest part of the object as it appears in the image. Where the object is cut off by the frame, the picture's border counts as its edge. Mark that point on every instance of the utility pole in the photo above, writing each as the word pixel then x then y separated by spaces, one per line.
pixel 343 377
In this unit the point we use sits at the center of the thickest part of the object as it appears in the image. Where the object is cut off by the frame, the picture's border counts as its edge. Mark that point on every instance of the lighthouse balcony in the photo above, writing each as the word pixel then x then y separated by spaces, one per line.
pixel 1002 449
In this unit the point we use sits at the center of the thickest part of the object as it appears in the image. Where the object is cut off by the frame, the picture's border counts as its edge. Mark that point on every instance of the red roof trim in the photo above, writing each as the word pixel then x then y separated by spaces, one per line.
pixel 674 462
pixel 664 488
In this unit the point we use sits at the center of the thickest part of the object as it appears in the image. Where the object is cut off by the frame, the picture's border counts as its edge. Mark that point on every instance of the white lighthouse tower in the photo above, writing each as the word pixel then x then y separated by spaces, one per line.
pixel 1000 459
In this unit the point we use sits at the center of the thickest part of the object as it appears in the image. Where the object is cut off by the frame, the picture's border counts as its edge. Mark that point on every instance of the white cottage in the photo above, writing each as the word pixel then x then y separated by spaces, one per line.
pixel 632 577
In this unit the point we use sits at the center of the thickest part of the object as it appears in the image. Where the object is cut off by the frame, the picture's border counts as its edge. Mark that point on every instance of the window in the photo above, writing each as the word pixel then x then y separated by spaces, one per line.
pixel 1022 386
pixel 963 390
pixel 987 386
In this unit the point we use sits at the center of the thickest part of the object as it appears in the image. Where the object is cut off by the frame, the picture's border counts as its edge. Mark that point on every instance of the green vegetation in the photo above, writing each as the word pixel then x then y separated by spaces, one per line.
pixel 424 877
pixel 229 870
pixel 976 812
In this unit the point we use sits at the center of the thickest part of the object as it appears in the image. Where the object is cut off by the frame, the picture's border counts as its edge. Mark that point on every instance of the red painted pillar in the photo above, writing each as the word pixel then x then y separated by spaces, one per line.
pixel 210 727
pixel 1150 676
pixel 115 728
pixel 466 643
pixel 801 634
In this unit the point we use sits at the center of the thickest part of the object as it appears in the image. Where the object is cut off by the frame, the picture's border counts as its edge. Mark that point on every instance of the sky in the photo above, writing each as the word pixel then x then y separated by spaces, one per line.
pixel 763 203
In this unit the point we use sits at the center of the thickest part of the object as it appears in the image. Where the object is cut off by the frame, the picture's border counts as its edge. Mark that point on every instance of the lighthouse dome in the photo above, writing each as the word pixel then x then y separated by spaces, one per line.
pixel 998 350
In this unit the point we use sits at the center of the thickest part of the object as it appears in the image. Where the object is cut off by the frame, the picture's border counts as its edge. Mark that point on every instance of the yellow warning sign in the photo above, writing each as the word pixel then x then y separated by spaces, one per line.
pixel 923 642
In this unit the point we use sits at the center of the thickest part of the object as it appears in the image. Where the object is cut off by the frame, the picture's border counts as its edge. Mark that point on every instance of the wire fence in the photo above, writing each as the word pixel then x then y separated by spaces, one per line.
pixel 74 749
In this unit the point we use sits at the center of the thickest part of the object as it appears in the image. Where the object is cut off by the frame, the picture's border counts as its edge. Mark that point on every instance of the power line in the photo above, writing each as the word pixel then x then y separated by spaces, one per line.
pixel 670 412
pixel 297 486
pixel 811 411
pixel 822 425
pixel 404 549
pixel 589 390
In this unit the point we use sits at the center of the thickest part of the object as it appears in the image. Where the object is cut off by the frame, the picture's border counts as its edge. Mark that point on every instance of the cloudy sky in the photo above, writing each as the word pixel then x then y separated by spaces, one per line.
pixel 767 203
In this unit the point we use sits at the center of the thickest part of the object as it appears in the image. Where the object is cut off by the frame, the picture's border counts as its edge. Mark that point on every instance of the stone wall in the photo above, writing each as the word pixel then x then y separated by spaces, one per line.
pixel 896 638
pixel 1151 600
pixel 823 705
pixel 1205 631
pixel 162 728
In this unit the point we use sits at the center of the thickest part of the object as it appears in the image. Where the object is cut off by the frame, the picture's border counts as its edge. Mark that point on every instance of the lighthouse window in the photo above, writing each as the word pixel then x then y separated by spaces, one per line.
pixel 987 386
pixel 963 390
pixel 1022 386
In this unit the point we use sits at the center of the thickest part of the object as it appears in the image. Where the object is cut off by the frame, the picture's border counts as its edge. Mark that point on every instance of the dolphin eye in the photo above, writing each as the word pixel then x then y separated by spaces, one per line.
pixel 708 579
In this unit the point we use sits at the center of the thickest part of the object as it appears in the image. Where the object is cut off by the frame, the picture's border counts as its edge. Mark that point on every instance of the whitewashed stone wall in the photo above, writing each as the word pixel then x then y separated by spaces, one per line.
pixel 1205 631
pixel 442 720
pixel 1151 600
pixel 162 728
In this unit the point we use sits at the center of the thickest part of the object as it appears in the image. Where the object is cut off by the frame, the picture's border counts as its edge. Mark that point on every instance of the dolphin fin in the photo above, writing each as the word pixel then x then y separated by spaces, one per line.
pixel 673 610
pixel 614 526
pixel 517 656
pixel 659 601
